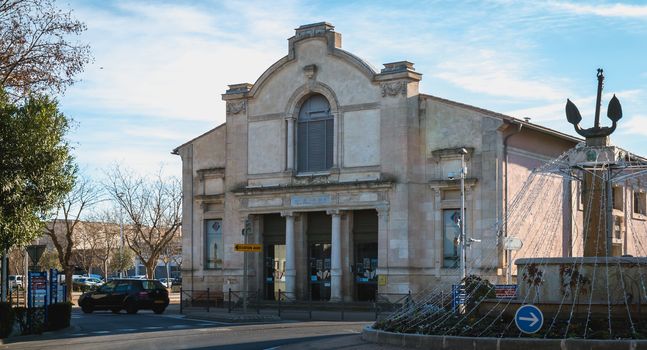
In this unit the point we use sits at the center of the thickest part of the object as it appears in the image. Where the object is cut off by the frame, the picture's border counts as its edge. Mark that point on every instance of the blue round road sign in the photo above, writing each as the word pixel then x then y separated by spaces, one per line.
pixel 529 319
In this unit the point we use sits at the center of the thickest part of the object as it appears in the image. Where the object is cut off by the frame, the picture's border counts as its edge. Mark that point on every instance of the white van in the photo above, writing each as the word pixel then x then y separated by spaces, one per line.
pixel 15 281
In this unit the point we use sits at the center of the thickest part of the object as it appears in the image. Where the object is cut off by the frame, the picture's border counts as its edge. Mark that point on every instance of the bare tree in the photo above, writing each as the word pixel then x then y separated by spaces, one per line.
pixel 170 253
pixel 87 242
pixel 36 54
pixel 153 209
pixel 65 221
pixel 107 223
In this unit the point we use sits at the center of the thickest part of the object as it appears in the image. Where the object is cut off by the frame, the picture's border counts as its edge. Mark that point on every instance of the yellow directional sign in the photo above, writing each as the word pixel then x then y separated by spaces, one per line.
pixel 254 248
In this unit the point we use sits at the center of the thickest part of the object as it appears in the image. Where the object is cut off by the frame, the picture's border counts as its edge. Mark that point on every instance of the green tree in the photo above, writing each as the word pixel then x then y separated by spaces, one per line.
pixel 36 167
pixel 49 260
pixel 122 261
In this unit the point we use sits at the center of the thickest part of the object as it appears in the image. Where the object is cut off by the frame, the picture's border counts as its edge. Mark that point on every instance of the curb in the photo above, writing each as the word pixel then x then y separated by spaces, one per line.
pixel 271 319
pixel 42 336
pixel 452 342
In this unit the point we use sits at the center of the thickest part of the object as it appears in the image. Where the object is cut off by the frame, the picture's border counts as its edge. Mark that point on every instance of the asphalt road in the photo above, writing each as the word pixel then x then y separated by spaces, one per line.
pixel 145 330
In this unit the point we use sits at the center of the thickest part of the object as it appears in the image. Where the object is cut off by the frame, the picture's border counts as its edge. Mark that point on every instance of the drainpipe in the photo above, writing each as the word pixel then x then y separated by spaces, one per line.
pixel 508 256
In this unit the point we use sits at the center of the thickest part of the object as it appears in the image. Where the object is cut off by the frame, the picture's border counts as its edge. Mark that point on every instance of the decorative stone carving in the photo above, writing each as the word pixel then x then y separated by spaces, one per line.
pixel 393 88
pixel 235 107
pixel 310 71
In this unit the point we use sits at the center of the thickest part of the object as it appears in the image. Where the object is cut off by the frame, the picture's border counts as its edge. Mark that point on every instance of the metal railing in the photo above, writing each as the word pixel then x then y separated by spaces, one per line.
pixel 17 297
pixel 200 298
pixel 233 301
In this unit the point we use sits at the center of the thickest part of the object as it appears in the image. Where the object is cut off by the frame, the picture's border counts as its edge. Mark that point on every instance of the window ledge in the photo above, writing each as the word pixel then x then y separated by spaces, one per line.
pixel 313 173
pixel 639 216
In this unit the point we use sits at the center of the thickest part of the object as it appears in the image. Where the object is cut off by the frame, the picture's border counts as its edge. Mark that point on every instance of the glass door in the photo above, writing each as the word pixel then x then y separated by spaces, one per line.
pixel 274 270
pixel 320 271
pixel 365 271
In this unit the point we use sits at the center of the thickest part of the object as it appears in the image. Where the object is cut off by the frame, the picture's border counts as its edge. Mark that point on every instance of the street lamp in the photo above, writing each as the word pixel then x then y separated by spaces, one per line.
pixel 463 264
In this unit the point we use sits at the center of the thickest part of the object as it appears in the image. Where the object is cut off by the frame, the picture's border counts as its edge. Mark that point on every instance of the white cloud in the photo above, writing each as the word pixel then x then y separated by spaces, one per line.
pixel 636 125
pixel 490 72
pixel 605 10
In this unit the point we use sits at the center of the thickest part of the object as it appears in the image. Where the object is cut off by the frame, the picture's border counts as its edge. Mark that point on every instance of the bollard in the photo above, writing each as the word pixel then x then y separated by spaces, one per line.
pixel 258 301
pixel 181 300
pixel 208 301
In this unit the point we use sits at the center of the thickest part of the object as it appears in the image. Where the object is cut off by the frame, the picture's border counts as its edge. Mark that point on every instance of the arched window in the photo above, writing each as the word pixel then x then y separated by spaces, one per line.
pixel 315 135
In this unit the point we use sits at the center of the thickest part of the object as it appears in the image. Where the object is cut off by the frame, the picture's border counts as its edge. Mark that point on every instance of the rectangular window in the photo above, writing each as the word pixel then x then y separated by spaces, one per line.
pixel 617 197
pixel 639 203
pixel 451 234
pixel 214 249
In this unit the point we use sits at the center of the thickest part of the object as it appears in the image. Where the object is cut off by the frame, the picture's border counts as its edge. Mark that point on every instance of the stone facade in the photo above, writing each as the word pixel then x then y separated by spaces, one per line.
pixel 383 199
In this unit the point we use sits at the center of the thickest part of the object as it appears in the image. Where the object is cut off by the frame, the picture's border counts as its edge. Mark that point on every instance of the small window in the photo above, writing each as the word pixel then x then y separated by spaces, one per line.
pixel 617 197
pixel 639 204
pixel 451 235
pixel 214 249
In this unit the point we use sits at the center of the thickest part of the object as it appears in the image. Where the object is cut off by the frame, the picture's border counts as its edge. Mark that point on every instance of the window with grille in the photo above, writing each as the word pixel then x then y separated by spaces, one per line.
pixel 315 135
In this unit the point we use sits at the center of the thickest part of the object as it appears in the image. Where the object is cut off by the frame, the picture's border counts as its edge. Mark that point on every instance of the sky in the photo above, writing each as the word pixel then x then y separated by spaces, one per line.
pixel 160 67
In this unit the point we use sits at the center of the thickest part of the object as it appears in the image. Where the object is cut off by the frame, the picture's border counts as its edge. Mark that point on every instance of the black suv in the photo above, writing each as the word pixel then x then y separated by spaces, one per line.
pixel 129 294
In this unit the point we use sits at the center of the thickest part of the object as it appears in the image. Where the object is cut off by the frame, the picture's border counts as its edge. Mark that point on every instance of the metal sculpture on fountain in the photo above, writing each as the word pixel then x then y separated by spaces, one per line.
pixel 614 112
pixel 595 187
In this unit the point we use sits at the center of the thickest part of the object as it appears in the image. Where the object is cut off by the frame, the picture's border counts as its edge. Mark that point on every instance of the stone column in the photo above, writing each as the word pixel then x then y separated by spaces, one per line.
pixel 290 144
pixel 594 195
pixel 290 254
pixel 382 241
pixel 335 263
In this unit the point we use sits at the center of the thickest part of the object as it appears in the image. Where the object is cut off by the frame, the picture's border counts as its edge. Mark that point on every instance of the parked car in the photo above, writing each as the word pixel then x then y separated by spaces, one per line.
pixel 15 281
pixel 167 282
pixel 139 277
pixel 177 281
pixel 131 295
pixel 87 282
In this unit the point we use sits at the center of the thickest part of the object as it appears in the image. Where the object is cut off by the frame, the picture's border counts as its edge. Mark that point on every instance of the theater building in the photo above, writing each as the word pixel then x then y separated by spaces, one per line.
pixel 348 178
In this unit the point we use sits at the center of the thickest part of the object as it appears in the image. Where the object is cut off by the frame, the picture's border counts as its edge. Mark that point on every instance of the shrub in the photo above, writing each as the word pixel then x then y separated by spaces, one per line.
pixel 6 319
pixel 37 317
pixel 58 315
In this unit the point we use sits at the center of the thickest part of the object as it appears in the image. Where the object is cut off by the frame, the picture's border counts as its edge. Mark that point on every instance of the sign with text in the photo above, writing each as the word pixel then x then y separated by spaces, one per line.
pixel 37 289
pixel 505 291
pixel 254 248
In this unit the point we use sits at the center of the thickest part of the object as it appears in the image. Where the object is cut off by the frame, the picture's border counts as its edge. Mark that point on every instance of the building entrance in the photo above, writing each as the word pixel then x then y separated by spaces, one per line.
pixel 366 271
pixel 320 271
pixel 319 254
pixel 273 255
pixel 274 270
pixel 365 254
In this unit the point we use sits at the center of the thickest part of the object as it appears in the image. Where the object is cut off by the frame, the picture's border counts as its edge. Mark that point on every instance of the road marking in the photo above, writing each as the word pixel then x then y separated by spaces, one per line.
pixel 211 322
pixel 125 330
pixel 79 334
pixel 214 329
pixel 179 326
pixel 153 327
pixel 100 332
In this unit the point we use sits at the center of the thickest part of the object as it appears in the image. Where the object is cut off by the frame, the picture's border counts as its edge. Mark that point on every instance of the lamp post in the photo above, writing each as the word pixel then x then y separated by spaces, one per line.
pixel 463 265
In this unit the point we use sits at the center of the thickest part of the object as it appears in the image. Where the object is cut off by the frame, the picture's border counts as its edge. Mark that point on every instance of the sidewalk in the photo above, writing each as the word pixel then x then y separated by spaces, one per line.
pixel 272 315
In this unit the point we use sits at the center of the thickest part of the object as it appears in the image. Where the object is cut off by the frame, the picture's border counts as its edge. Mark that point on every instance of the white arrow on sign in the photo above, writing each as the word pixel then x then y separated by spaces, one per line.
pixel 533 318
